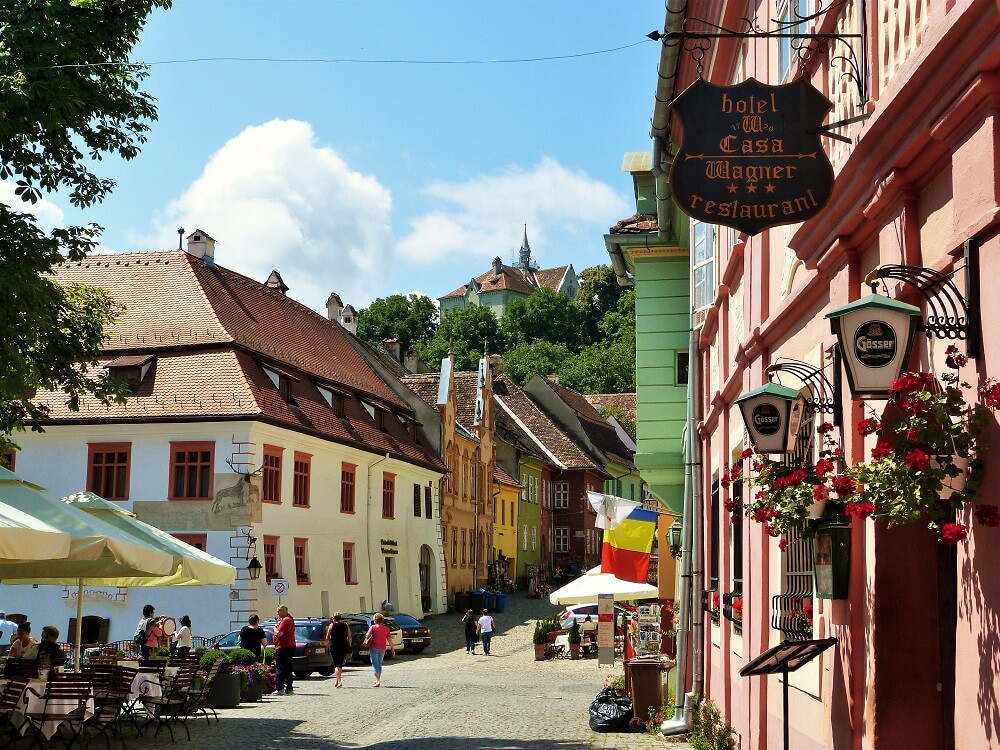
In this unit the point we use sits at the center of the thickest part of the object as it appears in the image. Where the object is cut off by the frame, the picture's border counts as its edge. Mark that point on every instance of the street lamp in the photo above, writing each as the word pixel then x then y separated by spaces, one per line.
pixel 253 568
pixel 772 415
pixel 675 535
pixel 253 564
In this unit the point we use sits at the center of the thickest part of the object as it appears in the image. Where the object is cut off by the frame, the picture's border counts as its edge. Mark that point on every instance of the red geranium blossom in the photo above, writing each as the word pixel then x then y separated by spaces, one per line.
pixel 881 450
pixel 861 509
pixel 746 454
pixel 824 428
pixel 783 544
pixel 823 467
pixel 867 426
pixel 917 460
pixel 843 486
pixel 953 533
pixel 819 492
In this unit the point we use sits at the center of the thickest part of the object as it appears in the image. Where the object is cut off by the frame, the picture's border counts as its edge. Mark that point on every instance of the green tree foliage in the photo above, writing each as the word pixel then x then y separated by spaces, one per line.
pixel 543 316
pixel 464 332
pixel 602 369
pixel 409 318
pixel 68 98
pixel 598 295
pixel 540 357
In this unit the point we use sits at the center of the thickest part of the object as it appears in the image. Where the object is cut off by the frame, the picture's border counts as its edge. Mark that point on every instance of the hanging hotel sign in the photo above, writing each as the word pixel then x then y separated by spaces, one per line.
pixel 751 157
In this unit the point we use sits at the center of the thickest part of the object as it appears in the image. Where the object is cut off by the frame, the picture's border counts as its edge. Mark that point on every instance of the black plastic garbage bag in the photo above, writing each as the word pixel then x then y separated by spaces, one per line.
pixel 610 712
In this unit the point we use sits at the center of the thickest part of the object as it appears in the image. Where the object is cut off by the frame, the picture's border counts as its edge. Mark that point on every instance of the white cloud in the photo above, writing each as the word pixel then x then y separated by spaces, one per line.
pixel 481 212
pixel 274 199
pixel 48 214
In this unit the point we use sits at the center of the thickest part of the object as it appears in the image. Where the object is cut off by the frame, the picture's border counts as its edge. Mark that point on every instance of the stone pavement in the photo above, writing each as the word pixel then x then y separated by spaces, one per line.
pixel 443 699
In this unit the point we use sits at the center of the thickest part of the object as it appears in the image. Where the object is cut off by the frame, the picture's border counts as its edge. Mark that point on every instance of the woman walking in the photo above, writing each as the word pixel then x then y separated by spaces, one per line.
pixel 183 638
pixel 378 639
pixel 470 632
pixel 339 636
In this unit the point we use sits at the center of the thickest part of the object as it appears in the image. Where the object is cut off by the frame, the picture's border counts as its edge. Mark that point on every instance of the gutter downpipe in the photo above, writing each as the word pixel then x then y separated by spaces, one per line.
pixel 690 615
pixel 659 132
pixel 368 523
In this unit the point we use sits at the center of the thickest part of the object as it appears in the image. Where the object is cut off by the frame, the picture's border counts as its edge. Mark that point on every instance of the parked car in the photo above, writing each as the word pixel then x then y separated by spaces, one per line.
pixel 367 619
pixel 416 635
pixel 312 653
pixel 359 651
pixel 579 612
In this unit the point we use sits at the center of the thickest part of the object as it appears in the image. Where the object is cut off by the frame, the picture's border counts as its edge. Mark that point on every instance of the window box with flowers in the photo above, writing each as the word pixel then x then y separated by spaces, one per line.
pixel 926 466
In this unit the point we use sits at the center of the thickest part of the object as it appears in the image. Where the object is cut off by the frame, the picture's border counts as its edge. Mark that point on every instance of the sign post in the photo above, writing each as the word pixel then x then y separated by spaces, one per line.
pixel 279 587
pixel 605 629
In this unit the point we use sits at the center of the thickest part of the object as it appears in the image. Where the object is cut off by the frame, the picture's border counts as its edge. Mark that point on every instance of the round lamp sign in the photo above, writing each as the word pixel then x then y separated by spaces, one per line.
pixel 766 419
pixel 875 344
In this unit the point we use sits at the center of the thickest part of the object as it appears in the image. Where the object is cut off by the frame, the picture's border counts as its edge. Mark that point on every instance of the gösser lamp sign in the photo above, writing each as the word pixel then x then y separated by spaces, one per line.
pixel 751 157
pixel 772 415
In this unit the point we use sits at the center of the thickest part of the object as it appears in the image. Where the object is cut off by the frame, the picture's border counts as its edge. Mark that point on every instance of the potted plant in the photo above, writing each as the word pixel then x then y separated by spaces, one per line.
pixel 224 692
pixel 541 636
pixel 737 607
pixel 241 663
pixel 925 466
pixel 802 619
pixel 575 639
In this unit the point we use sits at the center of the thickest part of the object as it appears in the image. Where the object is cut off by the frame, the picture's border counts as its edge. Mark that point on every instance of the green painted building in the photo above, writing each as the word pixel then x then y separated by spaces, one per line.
pixel 659 268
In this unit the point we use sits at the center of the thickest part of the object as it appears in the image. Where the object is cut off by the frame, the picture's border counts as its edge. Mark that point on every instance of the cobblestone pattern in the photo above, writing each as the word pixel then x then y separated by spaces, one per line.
pixel 443 699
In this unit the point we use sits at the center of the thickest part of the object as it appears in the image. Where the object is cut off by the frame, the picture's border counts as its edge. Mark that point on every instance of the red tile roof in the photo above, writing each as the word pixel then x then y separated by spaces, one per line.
pixel 551 277
pixel 513 279
pixel 635 224
pixel 504 478
pixel 173 299
pixel 211 329
pixel 566 450
pixel 596 427
pixel 623 401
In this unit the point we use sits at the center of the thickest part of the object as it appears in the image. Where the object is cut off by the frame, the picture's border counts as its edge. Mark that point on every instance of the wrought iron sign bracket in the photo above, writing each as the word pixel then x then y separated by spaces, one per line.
pixel 824 396
pixel 952 315
pixel 696 35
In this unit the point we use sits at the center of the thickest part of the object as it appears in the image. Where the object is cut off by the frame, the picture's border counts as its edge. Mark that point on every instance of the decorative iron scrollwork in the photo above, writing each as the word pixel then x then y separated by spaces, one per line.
pixel 696 35
pixel 824 396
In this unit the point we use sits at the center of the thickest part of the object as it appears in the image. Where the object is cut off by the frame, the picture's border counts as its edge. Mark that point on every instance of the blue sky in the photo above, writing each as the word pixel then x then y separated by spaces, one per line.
pixel 375 179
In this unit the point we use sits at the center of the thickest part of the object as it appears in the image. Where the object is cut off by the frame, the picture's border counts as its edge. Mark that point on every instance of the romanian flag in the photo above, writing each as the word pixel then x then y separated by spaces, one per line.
pixel 628 545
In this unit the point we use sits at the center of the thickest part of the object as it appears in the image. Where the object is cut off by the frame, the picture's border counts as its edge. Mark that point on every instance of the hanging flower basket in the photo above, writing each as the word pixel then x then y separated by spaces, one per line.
pixel 925 466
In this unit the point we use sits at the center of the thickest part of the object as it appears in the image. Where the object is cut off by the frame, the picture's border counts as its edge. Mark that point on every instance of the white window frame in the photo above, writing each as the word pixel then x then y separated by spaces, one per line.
pixel 703 250
pixel 788 11
pixel 560 495
pixel 560 541
pixel 524 538
pixel 534 538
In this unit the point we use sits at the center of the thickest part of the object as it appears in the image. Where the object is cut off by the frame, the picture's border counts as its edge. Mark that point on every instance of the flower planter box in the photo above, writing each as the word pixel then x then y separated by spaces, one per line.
pixel 254 692
pixel 224 692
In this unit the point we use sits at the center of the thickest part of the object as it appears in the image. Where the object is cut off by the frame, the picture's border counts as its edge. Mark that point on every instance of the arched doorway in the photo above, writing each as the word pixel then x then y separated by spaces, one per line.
pixel 426 574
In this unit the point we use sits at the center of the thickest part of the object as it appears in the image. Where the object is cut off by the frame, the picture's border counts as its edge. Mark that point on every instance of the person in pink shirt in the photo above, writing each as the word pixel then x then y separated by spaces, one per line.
pixel 284 644
pixel 154 630
pixel 378 639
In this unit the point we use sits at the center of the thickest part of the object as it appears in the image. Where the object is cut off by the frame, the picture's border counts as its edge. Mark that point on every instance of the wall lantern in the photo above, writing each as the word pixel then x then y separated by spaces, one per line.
pixel 772 415
pixel 875 334
pixel 253 564
pixel 675 536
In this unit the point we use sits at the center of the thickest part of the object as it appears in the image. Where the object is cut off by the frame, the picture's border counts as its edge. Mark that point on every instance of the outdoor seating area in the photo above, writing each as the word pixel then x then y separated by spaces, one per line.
pixel 104 701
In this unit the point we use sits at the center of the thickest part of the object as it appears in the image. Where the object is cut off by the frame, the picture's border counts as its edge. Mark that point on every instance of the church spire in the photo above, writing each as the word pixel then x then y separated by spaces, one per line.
pixel 525 255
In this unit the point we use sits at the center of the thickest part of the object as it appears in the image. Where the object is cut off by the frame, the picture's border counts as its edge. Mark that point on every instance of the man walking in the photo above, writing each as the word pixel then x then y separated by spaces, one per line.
pixel 284 644
pixel 486 628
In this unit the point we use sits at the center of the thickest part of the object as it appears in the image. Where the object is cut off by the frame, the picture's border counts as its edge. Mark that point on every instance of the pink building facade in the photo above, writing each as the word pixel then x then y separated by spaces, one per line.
pixel 917 658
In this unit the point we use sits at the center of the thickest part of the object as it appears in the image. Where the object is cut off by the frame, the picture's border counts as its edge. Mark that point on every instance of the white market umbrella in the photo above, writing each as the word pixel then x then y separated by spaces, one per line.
pixel 25 537
pixel 586 588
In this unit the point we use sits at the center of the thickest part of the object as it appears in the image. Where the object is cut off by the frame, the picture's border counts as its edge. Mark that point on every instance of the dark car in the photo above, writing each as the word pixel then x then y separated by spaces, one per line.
pixel 312 653
pixel 416 635
pixel 359 651
pixel 367 619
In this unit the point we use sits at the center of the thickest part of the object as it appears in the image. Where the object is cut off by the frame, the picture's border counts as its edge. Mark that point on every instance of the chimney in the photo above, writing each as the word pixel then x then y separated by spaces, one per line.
pixel 413 363
pixel 274 281
pixel 349 319
pixel 333 307
pixel 392 346
pixel 497 266
pixel 553 378
pixel 496 364
pixel 200 245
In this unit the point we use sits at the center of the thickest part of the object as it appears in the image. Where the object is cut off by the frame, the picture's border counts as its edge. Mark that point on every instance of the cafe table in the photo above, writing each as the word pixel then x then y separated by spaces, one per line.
pixel 33 700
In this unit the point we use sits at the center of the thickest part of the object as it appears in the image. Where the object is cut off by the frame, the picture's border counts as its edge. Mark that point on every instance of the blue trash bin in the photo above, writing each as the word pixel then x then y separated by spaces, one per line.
pixel 491 601
pixel 477 601
pixel 501 602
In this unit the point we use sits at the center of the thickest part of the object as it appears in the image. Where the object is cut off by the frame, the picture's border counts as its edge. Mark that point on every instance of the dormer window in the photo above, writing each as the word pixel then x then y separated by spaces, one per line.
pixel 131 369
pixel 337 400
pixel 282 381
pixel 380 420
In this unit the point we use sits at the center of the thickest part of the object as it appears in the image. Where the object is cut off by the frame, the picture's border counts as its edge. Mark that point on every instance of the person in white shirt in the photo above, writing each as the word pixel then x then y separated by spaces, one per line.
pixel 7 629
pixel 183 636
pixel 486 627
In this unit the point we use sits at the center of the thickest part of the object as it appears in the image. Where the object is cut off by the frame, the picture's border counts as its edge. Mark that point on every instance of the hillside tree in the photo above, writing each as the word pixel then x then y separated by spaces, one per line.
pixel 465 332
pixel 69 97
pixel 545 315
pixel 409 318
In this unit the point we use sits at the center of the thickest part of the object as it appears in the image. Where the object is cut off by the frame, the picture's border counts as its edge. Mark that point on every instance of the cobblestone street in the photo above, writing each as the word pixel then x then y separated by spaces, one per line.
pixel 439 700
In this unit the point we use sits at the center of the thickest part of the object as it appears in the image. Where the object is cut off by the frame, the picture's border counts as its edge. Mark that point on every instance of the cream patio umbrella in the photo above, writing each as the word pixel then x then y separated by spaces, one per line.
pixel 189 565
pixel 585 589
pixel 25 537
